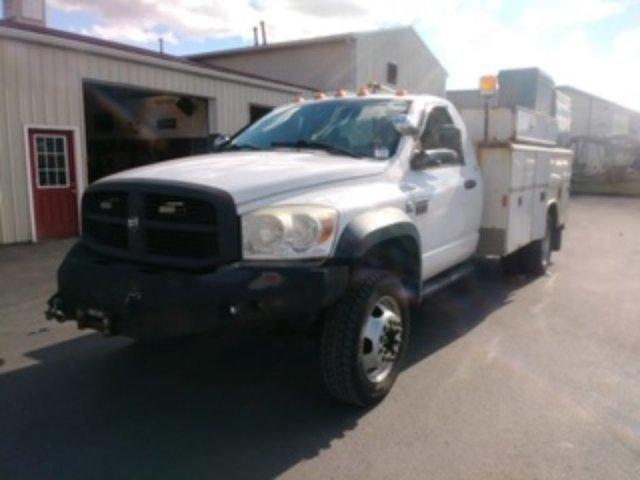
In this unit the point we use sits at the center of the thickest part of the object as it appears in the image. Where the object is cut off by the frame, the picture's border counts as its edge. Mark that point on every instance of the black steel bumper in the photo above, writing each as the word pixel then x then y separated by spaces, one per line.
pixel 143 302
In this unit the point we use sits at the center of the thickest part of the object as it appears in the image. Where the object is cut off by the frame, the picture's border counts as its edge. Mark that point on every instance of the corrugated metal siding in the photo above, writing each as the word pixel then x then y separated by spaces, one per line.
pixel 42 85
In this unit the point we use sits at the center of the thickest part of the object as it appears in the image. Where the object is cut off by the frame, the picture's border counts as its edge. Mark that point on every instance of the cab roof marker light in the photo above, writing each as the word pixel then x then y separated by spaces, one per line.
pixel 298 98
pixel 363 91
pixel 340 93
pixel 401 92
pixel 319 95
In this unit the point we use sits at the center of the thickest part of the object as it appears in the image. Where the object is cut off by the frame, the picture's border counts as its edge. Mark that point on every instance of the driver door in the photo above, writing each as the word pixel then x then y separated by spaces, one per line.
pixel 436 202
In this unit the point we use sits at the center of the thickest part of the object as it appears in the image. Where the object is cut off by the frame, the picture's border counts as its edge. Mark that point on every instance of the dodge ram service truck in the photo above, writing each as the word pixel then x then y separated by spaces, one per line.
pixel 339 212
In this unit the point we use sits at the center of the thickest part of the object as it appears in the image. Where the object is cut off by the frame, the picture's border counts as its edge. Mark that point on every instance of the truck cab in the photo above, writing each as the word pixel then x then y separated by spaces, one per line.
pixel 337 213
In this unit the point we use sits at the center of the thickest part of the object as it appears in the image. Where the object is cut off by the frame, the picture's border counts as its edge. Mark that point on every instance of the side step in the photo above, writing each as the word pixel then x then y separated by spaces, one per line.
pixel 445 278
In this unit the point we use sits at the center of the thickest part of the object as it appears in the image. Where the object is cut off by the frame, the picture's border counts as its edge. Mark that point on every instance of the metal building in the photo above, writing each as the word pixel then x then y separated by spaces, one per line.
pixel 395 57
pixel 74 108
pixel 596 116
pixel 606 139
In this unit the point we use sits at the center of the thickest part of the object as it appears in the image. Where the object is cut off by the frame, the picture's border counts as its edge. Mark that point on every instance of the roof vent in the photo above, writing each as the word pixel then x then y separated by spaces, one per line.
pixel 31 12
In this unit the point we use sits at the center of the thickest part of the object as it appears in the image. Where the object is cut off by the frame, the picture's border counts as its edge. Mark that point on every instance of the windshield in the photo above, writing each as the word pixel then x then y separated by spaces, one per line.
pixel 360 128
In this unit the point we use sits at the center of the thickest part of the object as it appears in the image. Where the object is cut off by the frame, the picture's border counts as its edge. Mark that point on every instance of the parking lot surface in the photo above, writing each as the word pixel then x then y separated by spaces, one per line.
pixel 506 378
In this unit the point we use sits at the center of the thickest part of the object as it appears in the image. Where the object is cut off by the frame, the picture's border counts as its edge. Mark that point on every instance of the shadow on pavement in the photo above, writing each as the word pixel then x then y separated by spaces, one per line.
pixel 233 406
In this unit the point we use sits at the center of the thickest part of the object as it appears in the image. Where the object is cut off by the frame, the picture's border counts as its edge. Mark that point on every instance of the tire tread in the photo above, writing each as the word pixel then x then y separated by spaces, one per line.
pixel 340 332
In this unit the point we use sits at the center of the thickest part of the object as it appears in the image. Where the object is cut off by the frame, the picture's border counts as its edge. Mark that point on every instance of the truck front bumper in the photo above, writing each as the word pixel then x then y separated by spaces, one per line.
pixel 146 303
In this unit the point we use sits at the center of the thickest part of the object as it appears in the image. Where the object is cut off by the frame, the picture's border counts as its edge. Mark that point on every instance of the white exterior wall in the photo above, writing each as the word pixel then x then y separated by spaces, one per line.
pixel 419 71
pixel 41 84
pixel 325 66
pixel 345 61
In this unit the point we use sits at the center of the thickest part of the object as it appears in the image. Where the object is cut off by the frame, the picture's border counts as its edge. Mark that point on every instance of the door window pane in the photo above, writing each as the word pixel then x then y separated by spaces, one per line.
pixel 52 161
pixel 60 161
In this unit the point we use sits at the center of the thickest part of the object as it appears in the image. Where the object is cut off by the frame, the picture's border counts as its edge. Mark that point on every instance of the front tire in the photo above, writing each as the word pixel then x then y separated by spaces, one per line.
pixel 365 338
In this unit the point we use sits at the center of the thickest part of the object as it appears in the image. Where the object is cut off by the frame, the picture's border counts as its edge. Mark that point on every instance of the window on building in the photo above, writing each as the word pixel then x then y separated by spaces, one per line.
pixel 53 161
pixel 392 73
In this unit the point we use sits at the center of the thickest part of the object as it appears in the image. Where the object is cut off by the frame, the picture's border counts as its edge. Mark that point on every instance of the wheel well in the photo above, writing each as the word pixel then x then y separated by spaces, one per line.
pixel 553 211
pixel 556 235
pixel 399 255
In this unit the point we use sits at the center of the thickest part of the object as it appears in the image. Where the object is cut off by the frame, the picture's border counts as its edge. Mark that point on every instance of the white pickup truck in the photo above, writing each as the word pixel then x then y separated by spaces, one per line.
pixel 338 213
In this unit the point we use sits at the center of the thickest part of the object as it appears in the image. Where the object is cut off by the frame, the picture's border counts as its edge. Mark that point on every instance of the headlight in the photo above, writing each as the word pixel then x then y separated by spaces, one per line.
pixel 288 232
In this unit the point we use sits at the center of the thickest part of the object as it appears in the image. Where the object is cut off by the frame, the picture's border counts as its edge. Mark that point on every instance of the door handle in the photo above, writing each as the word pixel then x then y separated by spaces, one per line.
pixel 469 184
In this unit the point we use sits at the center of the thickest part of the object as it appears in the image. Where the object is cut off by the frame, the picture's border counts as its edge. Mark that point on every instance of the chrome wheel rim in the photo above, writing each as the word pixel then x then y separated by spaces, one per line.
pixel 381 339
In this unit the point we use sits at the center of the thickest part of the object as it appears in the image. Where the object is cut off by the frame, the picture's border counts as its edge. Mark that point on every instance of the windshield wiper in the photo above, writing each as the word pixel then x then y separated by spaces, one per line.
pixel 317 145
pixel 242 146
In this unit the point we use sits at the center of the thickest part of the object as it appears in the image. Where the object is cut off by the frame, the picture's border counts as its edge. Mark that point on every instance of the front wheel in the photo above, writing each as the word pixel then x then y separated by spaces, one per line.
pixel 365 338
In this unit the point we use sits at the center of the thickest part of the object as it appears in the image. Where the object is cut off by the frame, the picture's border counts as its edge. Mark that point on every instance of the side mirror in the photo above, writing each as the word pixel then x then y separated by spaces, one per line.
pixel 450 137
pixel 434 158
pixel 217 142
pixel 405 125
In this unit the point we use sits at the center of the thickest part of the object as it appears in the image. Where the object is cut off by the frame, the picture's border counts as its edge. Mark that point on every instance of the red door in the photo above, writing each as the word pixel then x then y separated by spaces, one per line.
pixel 53 181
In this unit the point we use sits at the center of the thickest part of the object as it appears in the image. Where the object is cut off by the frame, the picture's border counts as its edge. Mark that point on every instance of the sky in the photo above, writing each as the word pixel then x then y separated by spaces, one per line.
pixel 590 44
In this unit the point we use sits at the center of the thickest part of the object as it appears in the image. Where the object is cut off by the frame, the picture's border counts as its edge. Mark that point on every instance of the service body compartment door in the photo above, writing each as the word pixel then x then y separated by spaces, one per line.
pixel 520 199
pixel 495 166
pixel 541 194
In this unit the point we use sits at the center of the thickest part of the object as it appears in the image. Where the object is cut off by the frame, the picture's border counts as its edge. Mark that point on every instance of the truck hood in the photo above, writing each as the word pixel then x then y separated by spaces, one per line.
pixel 249 176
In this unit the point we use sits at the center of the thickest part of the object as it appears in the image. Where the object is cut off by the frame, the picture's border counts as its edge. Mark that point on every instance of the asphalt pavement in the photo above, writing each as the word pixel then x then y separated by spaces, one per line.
pixel 506 378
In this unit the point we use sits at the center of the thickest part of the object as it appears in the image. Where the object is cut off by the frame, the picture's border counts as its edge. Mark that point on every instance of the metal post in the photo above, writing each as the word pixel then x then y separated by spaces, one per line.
pixel 486 120
pixel 264 32
pixel 256 41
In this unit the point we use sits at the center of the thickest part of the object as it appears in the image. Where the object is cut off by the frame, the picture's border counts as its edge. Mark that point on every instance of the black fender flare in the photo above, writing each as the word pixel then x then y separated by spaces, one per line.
pixel 371 228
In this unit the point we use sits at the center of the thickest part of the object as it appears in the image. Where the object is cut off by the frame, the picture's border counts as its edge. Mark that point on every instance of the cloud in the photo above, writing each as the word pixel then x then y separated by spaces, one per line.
pixel 570 13
pixel 470 37
pixel 555 36
pixel 127 33
pixel 140 19
pixel 211 19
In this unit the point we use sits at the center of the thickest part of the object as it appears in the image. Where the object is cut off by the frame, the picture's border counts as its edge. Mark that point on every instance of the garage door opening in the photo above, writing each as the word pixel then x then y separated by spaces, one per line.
pixel 129 127
pixel 256 112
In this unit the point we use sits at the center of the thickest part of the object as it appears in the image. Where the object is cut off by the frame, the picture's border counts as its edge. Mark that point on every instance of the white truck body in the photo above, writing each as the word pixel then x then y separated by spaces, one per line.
pixel 523 173
pixel 520 182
